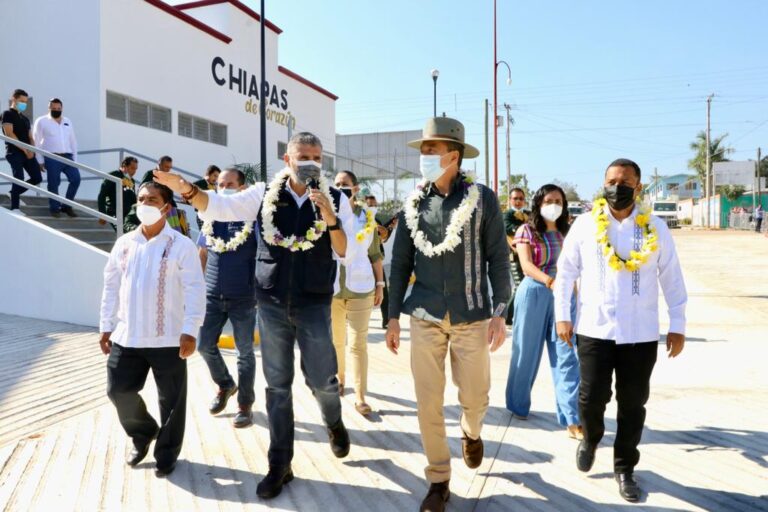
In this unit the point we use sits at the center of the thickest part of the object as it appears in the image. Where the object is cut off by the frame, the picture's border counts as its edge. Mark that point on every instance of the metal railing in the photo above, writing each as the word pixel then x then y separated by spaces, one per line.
pixel 117 220
pixel 741 221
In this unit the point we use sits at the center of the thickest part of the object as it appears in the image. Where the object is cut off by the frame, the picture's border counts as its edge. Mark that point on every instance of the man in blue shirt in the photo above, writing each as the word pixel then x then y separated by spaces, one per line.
pixel 228 253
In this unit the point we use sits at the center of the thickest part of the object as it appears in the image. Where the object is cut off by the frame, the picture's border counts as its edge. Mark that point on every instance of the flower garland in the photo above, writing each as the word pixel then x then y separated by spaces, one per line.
pixel 216 244
pixel 636 258
pixel 272 235
pixel 370 224
pixel 459 218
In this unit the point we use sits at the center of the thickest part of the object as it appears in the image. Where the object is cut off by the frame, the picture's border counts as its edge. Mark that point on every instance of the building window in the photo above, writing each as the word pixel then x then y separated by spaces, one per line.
pixel 202 129
pixel 282 149
pixel 142 113
pixel 328 163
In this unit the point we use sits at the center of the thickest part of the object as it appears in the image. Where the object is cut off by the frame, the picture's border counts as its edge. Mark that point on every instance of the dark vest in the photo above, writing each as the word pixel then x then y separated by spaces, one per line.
pixel 230 275
pixel 301 277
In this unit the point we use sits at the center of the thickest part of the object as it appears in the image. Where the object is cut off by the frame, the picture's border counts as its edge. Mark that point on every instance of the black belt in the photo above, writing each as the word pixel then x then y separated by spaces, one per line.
pixel 63 154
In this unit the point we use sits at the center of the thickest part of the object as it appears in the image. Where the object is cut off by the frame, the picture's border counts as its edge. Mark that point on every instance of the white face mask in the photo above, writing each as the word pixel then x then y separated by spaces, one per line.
pixel 148 215
pixel 227 191
pixel 373 210
pixel 551 212
pixel 430 167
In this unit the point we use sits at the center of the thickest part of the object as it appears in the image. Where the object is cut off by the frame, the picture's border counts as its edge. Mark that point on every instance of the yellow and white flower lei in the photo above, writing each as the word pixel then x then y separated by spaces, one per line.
pixel 370 225
pixel 459 218
pixel 636 258
pixel 271 234
pixel 216 244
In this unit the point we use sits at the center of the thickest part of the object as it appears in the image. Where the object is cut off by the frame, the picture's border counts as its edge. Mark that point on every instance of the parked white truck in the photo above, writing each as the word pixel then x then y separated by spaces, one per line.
pixel 666 210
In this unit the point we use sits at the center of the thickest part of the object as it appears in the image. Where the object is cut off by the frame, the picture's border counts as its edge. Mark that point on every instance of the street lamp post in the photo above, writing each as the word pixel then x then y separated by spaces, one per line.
pixel 435 74
pixel 496 63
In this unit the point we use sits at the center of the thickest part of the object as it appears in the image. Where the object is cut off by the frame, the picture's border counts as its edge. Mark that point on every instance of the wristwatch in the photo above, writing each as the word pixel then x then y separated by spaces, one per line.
pixel 336 226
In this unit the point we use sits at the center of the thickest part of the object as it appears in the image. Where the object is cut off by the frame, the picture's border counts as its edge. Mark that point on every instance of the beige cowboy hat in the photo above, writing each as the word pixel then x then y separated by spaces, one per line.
pixel 446 129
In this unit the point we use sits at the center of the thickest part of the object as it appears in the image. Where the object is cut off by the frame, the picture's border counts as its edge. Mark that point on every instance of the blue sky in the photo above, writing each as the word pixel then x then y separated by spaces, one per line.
pixel 591 80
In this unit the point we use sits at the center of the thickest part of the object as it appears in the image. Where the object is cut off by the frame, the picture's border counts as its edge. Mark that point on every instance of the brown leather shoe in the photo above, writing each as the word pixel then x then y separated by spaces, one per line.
pixel 472 449
pixel 437 497
pixel 244 416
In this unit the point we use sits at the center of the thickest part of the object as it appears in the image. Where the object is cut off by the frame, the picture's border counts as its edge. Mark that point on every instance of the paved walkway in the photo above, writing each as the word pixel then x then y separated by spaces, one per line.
pixel 705 446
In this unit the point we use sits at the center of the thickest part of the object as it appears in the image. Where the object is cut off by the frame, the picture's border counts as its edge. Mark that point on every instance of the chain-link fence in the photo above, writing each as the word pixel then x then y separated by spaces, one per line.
pixel 744 220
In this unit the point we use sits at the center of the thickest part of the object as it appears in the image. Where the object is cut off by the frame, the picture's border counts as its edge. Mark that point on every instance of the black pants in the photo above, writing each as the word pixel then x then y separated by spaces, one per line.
pixel 758 224
pixel 127 370
pixel 385 304
pixel 19 163
pixel 633 364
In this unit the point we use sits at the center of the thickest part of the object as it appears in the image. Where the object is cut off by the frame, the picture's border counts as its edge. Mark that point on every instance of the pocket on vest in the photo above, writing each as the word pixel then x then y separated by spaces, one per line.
pixel 266 272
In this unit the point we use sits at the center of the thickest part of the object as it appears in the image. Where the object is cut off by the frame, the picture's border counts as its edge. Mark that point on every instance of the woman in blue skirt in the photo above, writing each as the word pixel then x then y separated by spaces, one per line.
pixel 538 244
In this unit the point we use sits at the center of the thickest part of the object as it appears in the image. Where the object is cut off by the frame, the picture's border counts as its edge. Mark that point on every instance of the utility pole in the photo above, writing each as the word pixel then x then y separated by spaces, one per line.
pixel 708 186
pixel 487 155
pixel 263 99
pixel 495 116
pixel 756 186
pixel 509 167
pixel 759 185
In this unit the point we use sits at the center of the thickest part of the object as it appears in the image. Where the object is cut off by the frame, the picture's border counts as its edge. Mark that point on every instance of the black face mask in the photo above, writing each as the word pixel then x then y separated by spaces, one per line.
pixel 619 197
pixel 346 191
pixel 55 114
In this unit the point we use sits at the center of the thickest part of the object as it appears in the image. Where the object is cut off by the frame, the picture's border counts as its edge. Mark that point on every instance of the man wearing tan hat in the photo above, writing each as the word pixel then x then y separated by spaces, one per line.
pixel 452 236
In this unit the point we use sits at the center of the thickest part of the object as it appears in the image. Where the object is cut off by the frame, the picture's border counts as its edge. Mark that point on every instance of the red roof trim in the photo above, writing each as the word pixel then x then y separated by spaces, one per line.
pixel 306 82
pixel 247 10
pixel 189 19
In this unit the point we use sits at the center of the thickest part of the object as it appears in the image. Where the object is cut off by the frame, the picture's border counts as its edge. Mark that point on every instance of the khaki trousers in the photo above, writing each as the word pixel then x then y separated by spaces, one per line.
pixel 349 322
pixel 471 370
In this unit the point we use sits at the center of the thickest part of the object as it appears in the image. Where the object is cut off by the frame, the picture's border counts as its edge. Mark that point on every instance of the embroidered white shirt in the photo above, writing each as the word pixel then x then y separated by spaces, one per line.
pixel 621 306
pixel 54 136
pixel 154 290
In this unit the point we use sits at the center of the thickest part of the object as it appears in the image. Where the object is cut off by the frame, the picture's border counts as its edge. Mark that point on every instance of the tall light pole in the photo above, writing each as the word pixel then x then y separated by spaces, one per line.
pixel 708 158
pixel 496 63
pixel 263 102
pixel 435 74
pixel 509 165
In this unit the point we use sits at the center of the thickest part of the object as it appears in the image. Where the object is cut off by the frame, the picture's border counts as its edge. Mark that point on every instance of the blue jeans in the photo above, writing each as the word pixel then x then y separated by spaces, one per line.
pixel 532 329
pixel 242 314
pixel 54 170
pixel 280 327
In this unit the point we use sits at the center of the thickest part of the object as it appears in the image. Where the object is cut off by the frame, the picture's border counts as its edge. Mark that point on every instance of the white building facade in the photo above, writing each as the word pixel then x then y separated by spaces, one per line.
pixel 160 79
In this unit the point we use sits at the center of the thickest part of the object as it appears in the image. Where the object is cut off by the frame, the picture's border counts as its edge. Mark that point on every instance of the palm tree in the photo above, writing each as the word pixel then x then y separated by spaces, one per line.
pixel 717 153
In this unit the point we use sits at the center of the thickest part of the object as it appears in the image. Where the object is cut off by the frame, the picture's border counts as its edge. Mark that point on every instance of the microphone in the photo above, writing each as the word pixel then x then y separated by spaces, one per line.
pixel 313 184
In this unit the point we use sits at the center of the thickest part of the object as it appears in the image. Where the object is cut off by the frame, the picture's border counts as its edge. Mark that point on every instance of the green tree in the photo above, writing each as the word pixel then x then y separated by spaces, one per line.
pixel 732 192
pixel 717 151
pixel 252 172
pixel 571 194
pixel 517 181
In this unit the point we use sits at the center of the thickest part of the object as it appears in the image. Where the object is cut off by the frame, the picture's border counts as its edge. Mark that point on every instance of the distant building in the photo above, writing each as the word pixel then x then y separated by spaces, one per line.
pixel 675 187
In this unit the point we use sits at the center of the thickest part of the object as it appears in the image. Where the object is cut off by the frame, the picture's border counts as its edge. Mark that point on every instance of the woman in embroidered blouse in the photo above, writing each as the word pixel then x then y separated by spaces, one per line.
pixel 538 244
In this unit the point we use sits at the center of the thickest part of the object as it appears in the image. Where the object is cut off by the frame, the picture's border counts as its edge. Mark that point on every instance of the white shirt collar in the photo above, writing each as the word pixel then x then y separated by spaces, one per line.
pixel 632 215
pixel 166 232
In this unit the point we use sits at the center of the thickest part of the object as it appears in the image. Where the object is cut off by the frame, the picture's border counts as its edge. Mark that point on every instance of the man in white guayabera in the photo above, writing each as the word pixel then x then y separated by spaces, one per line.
pixel 300 238
pixel 451 235
pixel 151 310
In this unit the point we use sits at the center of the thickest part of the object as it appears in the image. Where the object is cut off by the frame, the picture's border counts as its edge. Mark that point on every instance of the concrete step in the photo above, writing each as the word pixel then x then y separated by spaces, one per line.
pixel 32 200
pixel 104 246
pixel 64 222
pixel 91 235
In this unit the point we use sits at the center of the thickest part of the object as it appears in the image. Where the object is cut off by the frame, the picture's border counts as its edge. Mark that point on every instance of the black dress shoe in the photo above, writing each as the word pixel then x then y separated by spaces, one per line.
pixel 339 439
pixel 585 456
pixel 56 215
pixel 272 484
pixel 138 453
pixel 628 487
pixel 69 211
pixel 436 498
pixel 219 403
pixel 244 417
pixel 162 472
